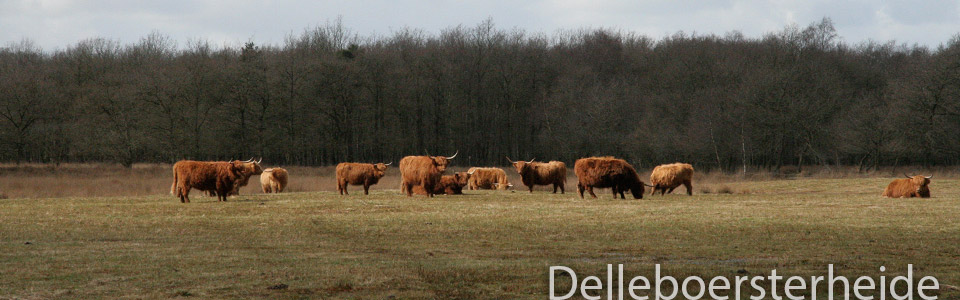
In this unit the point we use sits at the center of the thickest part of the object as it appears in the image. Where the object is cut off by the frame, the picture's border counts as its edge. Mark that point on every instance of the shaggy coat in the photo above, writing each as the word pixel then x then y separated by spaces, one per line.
pixel 916 186
pixel 422 171
pixel 250 168
pixel 359 174
pixel 488 178
pixel 538 173
pixel 667 177
pixel 273 180
pixel 607 172
pixel 449 184
pixel 220 177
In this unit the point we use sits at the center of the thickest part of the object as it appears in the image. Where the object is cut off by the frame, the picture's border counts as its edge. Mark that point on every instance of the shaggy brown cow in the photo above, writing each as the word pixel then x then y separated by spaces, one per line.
pixel 423 171
pixel 252 167
pixel 912 186
pixel 488 178
pixel 607 172
pixel 538 173
pixel 220 176
pixel 273 180
pixel 667 177
pixel 359 174
pixel 449 184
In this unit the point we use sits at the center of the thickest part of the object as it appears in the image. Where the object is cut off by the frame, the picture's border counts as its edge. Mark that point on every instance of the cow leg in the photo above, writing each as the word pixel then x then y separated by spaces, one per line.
pixel 407 188
pixel 555 188
pixel 689 187
pixel 185 194
pixel 561 187
pixel 590 189
pixel 614 189
pixel 580 190
pixel 366 189
pixel 531 188
pixel 621 195
pixel 671 190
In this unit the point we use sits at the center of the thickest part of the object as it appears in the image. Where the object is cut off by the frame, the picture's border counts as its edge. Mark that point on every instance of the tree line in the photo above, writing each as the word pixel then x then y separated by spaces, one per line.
pixel 796 97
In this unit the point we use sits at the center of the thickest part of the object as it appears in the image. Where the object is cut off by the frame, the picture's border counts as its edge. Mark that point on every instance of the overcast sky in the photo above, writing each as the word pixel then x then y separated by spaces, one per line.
pixel 56 24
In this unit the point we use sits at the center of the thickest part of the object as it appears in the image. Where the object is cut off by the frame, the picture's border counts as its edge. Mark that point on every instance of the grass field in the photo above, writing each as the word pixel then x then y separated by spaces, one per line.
pixel 484 245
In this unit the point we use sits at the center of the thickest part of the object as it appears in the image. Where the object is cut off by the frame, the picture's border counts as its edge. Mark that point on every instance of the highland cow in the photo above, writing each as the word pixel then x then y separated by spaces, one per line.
pixel 912 186
pixel 488 178
pixel 667 177
pixel 359 174
pixel 538 173
pixel 422 171
pixel 449 184
pixel 220 177
pixel 273 180
pixel 607 172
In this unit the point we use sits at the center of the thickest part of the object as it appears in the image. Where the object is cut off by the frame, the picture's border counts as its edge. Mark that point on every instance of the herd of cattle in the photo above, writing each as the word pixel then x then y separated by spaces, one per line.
pixel 423 175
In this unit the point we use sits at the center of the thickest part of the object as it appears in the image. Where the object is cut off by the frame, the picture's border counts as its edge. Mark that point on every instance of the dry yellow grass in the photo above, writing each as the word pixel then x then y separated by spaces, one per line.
pixel 483 245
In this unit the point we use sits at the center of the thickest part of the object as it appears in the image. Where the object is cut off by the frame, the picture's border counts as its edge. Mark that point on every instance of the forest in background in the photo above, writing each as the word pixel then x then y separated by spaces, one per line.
pixel 798 96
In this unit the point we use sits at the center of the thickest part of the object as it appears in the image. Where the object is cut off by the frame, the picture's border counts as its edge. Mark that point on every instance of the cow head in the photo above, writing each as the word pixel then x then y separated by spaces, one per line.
pixel 380 169
pixel 502 187
pixel 251 167
pixel 461 178
pixel 237 167
pixel 521 165
pixel 441 161
pixel 920 182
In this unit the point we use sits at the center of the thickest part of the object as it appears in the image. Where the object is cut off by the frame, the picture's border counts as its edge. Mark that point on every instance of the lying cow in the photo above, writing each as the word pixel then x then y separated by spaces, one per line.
pixel 912 186
pixel 488 178
pixel 449 184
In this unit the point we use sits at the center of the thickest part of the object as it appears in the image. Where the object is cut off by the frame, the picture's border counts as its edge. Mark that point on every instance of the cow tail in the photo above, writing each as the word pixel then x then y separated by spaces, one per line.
pixel 173 187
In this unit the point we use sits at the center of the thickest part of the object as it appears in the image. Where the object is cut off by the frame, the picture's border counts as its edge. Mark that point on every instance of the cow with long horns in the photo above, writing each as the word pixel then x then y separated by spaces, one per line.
pixel 607 172
pixel 221 177
pixel 540 173
pixel 422 171
pixel 359 174
pixel 912 186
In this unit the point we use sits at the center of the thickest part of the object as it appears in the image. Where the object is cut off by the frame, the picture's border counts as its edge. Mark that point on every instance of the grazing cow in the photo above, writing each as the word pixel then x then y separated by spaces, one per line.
pixel 488 178
pixel 912 186
pixel 273 180
pixel 667 177
pixel 423 171
pixel 607 172
pixel 449 184
pixel 538 173
pixel 359 174
pixel 220 177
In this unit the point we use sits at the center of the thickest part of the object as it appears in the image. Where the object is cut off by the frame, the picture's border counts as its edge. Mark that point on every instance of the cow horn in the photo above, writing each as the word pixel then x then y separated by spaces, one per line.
pixel 908 176
pixel 532 160
pixel 471 172
pixel 508 159
pixel 261 159
pixel 389 164
pixel 454 155
pixel 644 183
pixel 249 160
pixel 928 177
